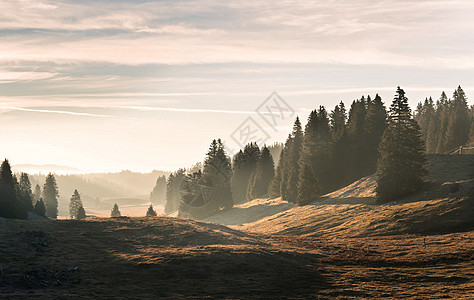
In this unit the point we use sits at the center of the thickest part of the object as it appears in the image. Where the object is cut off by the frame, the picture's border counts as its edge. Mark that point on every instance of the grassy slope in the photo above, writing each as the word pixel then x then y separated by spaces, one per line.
pixel 350 210
pixel 175 258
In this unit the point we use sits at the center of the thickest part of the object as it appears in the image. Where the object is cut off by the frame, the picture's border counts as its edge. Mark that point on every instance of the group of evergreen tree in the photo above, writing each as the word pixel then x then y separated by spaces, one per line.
pixel 334 150
pixel 204 193
pixel 244 164
pixel 17 198
pixel 447 124
pixel 158 195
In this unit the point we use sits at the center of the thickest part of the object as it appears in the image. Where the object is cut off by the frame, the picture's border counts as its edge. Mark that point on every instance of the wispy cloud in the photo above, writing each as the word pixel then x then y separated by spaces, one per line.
pixel 48 111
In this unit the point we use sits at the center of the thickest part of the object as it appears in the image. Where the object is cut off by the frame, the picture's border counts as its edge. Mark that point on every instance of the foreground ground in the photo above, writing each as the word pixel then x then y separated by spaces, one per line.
pixel 176 258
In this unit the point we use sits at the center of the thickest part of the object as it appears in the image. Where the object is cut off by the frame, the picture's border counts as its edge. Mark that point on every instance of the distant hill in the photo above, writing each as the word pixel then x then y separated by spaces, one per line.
pixel 45 169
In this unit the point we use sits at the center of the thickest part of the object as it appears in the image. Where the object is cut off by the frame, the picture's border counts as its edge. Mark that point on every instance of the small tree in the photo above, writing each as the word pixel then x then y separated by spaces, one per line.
pixel 36 194
pixel 81 213
pixel 151 212
pixel 74 204
pixel 115 211
pixel 40 210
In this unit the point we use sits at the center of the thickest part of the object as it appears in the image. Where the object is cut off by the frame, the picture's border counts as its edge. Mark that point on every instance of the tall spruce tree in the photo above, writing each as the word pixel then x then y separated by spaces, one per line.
pixel 26 195
pixel 459 123
pixel 274 186
pixel 375 124
pixel 244 165
pixel 402 164
pixel 173 189
pixel 262 176
pixel 11 205
pixel 341 146
pixel 356 129
pixel 50 196
pixel 74 204
pixel 292 167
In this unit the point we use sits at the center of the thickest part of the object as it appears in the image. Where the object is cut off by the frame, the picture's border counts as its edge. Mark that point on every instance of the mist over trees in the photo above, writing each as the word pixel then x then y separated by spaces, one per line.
pixel 158 194
pixel 262 176
pixel 447 124
pixel 244 165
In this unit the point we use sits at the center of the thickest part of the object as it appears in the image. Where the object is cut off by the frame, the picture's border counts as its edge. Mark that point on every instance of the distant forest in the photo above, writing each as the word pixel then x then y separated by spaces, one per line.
pixel 334 149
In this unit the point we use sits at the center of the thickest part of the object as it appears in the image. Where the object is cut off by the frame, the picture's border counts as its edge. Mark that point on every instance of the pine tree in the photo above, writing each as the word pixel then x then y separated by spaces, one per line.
pixel 357 133
pixel 158 195
pixel 459 123
pixel 151 212
pixel 40 210
pixel 74 204
pixel 308 186
pixel 81 213
pixel 402 164
pixel 115 211
pixel 26 194
pixel 37 193
pixel 50 196
pixel 244 164
pixel 284 163
pixel 274 187
pixel 173 188
pixel 341 146
pixel 262 176
pixel 292 167
pixel 11 205
pixel 442 114
pixel 375 124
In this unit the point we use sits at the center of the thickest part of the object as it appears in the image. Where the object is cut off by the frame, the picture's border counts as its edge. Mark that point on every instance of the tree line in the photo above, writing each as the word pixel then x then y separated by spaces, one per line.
pixel 446 124
pixel 334 149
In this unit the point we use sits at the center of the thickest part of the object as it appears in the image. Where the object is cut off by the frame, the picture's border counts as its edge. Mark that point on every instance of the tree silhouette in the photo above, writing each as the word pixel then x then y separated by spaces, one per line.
pixel 115 211
pixel 81 213
pixel 151 212
pixel 402 164
pixel 262 176
pixel 50 196
pixel 40 210
pixel 74 204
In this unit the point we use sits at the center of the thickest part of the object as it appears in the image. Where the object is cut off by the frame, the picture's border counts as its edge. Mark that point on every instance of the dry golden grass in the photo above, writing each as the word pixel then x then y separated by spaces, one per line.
pixel 175 258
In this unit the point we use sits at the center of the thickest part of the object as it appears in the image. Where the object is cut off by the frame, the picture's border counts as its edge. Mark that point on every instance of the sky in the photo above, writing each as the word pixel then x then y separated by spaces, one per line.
pixel 143 85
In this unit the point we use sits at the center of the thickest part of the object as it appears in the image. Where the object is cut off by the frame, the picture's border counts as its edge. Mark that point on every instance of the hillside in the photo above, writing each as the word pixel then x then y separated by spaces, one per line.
pixel 445 204
pixel 170 258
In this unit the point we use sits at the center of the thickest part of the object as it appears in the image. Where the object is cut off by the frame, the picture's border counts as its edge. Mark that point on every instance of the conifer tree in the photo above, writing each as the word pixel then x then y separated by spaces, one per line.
pixel 26 194
pixel 40 210
pixel 274 187
pixel 341 146
pixel 459 123
pixel 308 186
pixel 115 211
pixel 11 205
pixel 158 195
pixel 244 164
pixel 81 213
pixel 356 129
pixel 262 176
pixel 292 167
pixel 151 212
pixel 173 188
pixel 74 204
pixel 50 196
pixel 375 124
pixel 402 164
pixel 443 111
pixel 285 161
pixel 37 193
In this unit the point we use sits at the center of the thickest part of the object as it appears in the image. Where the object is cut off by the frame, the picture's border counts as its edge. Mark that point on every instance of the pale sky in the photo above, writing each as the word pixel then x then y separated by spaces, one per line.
pixel 142 85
